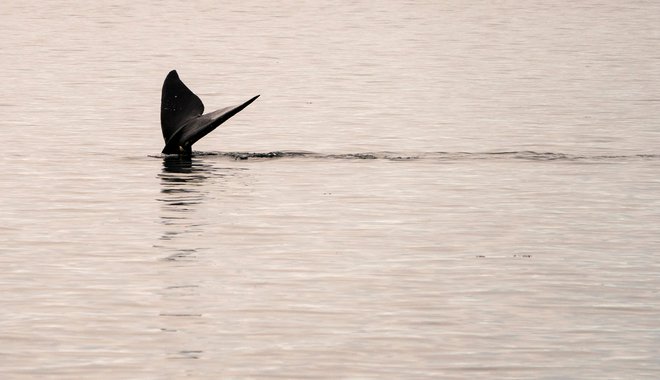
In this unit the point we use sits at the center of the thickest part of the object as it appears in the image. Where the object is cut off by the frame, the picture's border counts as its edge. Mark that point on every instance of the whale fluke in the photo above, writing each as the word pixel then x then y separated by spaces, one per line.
pixel 182 119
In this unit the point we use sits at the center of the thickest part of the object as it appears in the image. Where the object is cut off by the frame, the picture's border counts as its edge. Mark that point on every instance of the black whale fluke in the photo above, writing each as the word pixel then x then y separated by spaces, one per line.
pixel 182 119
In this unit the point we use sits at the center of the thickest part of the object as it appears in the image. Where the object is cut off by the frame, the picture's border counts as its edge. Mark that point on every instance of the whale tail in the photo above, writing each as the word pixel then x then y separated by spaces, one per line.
pixel 181 116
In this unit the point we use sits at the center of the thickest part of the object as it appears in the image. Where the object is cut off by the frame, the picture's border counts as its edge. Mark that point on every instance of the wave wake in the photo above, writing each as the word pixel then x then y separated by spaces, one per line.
pixel 440 156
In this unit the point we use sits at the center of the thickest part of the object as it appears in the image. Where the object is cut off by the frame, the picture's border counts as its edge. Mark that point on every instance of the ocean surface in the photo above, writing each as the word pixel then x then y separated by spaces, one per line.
pixel 424 190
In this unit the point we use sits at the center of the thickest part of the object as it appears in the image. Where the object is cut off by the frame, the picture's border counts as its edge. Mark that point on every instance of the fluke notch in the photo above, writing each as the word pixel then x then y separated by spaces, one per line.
pixel 182 119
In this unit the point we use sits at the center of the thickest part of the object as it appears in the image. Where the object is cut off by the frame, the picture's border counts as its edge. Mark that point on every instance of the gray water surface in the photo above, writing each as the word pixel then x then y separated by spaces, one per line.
pixel 423 190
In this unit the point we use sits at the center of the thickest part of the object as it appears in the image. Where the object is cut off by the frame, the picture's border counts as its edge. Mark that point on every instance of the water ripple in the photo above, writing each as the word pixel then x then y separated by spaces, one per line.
pixel 443 156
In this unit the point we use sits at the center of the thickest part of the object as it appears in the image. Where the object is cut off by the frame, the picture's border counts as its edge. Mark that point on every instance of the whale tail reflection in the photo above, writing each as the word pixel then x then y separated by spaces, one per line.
pixel 181 116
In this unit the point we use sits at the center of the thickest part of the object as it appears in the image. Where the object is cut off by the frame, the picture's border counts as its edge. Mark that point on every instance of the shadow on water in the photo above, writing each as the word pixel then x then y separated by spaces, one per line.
pixel 182 180
pixel 185 184
pixel 183 190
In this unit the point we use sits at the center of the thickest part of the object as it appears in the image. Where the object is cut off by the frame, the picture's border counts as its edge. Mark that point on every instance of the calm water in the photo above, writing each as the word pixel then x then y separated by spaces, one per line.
pixel 458 190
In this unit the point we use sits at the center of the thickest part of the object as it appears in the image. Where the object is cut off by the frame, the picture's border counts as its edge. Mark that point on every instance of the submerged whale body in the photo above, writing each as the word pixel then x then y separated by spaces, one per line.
pixel 182 119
